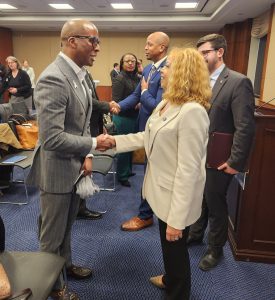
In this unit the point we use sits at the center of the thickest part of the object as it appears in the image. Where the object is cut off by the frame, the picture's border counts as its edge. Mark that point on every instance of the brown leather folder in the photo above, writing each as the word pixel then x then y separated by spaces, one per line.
pixel 218 149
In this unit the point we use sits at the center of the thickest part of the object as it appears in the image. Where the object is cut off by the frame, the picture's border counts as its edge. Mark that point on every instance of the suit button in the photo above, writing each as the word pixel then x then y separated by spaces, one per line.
pixel 164 119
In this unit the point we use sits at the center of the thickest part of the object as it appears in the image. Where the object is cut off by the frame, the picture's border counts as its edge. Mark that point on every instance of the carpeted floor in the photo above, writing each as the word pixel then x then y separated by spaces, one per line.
pixel 124 261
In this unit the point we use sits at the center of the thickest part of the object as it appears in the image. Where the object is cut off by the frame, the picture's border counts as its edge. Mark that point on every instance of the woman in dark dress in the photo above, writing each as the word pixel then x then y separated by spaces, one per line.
pixel 18 83
pixel 124 85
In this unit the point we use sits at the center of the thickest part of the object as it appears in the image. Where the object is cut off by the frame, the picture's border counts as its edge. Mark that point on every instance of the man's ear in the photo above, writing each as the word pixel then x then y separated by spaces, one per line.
pixel 72 42
pixel 220 52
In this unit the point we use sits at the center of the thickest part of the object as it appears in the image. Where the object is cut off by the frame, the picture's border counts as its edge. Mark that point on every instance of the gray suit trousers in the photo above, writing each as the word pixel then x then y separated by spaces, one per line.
pixel 58 213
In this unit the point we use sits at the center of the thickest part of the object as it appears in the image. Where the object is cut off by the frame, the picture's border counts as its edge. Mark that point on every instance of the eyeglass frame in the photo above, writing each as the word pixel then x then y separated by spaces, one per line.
pixel 206 52
pixel 94 40
pixel 132 61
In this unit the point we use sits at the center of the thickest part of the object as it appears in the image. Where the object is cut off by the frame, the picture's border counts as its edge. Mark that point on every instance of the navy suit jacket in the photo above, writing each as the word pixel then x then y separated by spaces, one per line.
pixel 149 99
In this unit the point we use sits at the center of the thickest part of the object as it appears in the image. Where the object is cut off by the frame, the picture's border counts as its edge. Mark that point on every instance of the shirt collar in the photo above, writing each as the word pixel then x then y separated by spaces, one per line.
pixel 158 63
pixel 80 72
pixel 217 72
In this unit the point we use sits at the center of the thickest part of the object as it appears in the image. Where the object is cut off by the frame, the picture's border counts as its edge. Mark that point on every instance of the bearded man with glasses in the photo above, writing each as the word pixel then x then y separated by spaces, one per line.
pixel 231 112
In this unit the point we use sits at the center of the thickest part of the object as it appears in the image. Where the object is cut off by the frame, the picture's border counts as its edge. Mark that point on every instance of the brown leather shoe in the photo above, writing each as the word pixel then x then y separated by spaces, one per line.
pixel 78 272
pixel 135 224
pixel 64 294
pixel 157 281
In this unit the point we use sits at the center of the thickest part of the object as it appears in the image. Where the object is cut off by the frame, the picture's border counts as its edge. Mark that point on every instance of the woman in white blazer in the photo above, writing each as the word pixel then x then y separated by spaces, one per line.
pixel 175 141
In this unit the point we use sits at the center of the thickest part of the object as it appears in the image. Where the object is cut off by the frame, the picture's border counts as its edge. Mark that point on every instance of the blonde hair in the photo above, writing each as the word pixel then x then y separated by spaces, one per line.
pixel 13 58
pixel 188 79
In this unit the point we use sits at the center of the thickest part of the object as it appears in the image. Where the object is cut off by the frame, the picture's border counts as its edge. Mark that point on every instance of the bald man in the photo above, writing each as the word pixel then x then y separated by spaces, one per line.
pixel 148 93
pixel 64 106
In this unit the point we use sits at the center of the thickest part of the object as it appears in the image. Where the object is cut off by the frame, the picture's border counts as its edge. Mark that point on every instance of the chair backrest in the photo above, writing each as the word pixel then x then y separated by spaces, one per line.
pixel 35 270
pixel 5 111
pixel 102 164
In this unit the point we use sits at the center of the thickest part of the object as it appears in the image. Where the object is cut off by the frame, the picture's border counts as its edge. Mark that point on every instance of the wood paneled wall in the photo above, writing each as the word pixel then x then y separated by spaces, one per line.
pixel 6 47
pixel 238 37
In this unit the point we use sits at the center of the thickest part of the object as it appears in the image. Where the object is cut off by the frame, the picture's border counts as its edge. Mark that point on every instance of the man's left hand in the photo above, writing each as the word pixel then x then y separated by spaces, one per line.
pixel 227 169
pixel 87 166
pixel 144 84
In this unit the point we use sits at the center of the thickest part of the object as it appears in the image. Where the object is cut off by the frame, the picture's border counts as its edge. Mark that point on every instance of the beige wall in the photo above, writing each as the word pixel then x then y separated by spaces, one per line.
pixel 40 48
pixel 269 83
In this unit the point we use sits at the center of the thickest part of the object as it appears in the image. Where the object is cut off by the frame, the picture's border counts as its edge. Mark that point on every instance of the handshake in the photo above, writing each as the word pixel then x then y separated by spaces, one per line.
pixel 114 107
pixel 105 142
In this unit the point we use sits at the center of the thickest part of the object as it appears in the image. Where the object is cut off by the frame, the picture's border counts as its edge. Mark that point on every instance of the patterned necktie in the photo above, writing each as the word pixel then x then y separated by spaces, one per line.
pixel 152 71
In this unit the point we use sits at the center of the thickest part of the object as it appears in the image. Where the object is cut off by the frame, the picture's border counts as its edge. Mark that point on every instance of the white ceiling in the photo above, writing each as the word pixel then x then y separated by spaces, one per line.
pixel 147 15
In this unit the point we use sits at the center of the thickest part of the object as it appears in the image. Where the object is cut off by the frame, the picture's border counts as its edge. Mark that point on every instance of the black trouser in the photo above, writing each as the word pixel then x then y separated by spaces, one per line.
pixel 177 277
pixel 2 235
pixel 214 209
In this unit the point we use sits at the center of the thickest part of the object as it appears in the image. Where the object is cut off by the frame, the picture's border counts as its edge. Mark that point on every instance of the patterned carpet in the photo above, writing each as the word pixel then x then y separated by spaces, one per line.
pixel 124 261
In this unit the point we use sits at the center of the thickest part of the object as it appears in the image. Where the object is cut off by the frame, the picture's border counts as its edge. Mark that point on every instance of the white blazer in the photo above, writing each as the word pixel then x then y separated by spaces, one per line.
pixel 175 144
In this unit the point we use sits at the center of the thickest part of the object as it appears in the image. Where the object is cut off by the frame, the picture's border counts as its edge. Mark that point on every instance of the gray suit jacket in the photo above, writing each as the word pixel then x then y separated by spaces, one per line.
pixel 64 136
pixel 232 111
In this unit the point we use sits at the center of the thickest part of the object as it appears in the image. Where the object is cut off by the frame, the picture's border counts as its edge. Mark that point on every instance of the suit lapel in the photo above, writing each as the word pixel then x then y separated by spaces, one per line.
pixel 76 86
pixel 73 81
pixel 162 121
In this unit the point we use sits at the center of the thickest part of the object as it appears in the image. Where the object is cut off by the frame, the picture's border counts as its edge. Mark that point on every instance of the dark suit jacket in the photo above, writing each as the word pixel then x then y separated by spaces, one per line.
pixel 99 108
pixel 149 99
pixel 113 74
pixel 232 111
pixel 123 86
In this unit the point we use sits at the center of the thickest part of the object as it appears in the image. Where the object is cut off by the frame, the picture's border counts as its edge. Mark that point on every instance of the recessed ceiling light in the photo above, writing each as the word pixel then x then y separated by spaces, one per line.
pixel 186 4
pixel 122 5
pixel 61 6
pixel 7 6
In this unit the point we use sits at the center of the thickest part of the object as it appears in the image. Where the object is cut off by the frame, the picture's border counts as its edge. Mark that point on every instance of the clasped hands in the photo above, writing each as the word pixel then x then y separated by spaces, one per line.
pixel 105 142
pixel 114 107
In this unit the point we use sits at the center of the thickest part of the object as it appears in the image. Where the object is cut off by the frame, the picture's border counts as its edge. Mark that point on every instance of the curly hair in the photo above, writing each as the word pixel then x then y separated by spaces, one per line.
pixel 188 79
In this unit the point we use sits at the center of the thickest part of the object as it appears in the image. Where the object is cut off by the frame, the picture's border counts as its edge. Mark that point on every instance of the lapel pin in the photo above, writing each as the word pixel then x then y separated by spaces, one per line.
pixel 75 85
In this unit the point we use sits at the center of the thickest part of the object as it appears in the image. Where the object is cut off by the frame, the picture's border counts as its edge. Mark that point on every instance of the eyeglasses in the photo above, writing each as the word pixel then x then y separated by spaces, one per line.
pixel 130 61
pixel 94 40
pixel 206 52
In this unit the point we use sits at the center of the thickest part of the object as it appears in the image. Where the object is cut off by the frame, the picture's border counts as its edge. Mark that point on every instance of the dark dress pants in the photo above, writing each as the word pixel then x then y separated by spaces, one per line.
pixel 177 277
pixel 214 209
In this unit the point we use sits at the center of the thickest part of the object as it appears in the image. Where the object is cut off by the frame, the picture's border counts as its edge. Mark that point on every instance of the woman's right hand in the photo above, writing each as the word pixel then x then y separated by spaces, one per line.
pixel 13 90
pixel 173 234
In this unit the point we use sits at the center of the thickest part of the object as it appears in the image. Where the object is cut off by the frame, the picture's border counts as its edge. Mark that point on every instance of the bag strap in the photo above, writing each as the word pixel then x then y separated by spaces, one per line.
pixel 18 118
pixel 24 294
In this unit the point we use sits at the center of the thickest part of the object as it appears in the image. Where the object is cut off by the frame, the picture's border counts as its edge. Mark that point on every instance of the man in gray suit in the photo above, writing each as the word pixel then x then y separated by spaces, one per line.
pixel 232 111
pixel 64 106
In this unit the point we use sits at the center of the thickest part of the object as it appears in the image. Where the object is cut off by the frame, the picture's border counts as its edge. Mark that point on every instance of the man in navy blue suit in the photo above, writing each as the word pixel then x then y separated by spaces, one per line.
pixel 147 94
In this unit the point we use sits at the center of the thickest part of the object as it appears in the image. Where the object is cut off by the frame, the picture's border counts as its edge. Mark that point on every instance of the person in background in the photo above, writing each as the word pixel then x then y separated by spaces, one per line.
pixel 18 83
pixel 232 111
pixel 114 72
pixel 147 95
pixel 96 128
pixel 64 106
pixel 175 141
pixel 2 76
pixel 31 74
pixel 140 67
pixel 126 122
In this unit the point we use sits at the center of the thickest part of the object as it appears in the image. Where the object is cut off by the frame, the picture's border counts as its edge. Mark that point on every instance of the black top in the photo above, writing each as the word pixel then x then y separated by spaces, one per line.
pixel 123 86
pixel 21 82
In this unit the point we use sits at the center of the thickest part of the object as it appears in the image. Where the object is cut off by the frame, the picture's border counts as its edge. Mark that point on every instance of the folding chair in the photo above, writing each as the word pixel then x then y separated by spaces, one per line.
pixel 104 163
pixel 23 164
pixel 35 270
